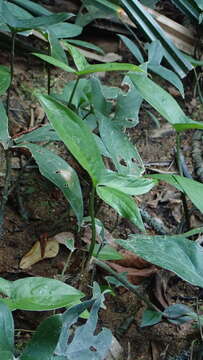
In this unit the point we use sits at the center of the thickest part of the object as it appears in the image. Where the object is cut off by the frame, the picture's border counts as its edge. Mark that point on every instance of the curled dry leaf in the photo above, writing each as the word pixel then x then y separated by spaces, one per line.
pixel 62 237
pixel 135 276
pixel 34 255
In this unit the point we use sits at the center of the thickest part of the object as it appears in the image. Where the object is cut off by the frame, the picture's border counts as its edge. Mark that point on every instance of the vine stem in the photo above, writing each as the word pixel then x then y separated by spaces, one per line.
pixel 8 153
pixel 93 224
pixel 180 169
pixel 73 91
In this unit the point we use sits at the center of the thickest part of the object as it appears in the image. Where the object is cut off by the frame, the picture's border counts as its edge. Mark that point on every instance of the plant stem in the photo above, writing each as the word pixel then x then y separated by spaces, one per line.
pixel 73 91
pixel 8 153
pixel 178 159
pixel 93 224
pixel 48 74
pixel 66 264
pixel 13 36
pixel 126 283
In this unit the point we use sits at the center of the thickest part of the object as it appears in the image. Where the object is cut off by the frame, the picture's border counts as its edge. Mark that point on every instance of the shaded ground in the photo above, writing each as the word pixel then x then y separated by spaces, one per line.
pixel 36 208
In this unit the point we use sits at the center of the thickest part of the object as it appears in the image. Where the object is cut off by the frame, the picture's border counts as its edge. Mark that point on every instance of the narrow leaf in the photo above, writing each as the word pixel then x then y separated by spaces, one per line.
pixel 55 62
pixel 57 170
pixel 151 317
pixel 65 30
pixel 122 203
pixel 57 51
pixel 34 8
pixel 75 134
pixel 109 67
pixel 163 102
pixel 78 58
pixel 43 133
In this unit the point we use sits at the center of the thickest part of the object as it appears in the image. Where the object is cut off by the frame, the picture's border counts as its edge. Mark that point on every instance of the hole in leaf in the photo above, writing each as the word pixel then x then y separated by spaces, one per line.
pixel 93 349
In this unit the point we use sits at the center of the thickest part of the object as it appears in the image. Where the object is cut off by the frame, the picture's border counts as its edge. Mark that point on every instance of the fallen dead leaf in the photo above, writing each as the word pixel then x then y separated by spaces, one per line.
pixel 34 255
pixel 135 276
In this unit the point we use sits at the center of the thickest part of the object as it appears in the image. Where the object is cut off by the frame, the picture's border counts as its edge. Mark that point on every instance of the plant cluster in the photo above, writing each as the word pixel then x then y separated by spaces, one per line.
pixel 90 119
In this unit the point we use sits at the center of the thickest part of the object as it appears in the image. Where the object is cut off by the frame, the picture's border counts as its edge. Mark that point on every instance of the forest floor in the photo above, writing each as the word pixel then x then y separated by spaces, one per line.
pixel 36 208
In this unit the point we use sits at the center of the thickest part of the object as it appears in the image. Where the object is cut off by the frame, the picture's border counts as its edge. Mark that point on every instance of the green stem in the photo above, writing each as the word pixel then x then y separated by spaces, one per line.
pixel 48 74
pixel 73 91
pixel 8 153
pixel 180 169
pixel 13 36
pixel 66 265
pixel 126 283
pixel 93 224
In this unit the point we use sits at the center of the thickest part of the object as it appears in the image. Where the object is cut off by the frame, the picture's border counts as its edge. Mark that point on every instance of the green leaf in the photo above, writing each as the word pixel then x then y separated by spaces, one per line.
pixel 109 67
pixel 6 329
pixel 43 133
pixel 169 76
pixel 151 317
pixel 57 170
pixel 32 23
pixel 79 59
pixel 134 49
pixel 75 134
pixel 164 103
pixel 181 313
pixel 128 184
pixel 4 135
pixel 7 355
pixel 34 8
pixel 87 45
pixel 122 203
pixel 189 7
pixel 127 106
pixel 124 155
pixel 39 294
pixel 65 30
pixel 55 62
pixel 5 79
pixel 44 341
pixel 193 189
pixel 85 340
pixel 175 253
pixel 106 253
pixel 57 51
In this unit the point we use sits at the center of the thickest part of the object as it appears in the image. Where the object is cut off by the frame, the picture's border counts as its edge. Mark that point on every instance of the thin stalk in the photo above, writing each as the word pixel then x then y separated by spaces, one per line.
pixel 8 153
pixel 126 283
pixel 93 224
pixel 180 169
pixel 48 74
pixel 66 265
pixel 13 36
pixel 73 91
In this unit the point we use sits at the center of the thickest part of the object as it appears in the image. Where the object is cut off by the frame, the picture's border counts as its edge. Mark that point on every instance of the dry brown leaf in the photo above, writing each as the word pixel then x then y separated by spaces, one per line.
pixel 132 260
pixel 63 236
pixel 135 276
pixel 34 255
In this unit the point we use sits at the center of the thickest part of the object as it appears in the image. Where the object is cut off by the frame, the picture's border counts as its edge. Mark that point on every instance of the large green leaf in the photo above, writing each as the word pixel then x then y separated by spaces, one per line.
pixel 75 134
pixel 57 170
pixel 4 135
pixel 128 184
pixel 175 253
pixel 6 329
pixel 6 355
pixel 153 31
pixel 193 189
pixel 5 79
pixel 124 155
pixel 45 339
pixel 164 103
pixel 39 294
pixel 122 203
